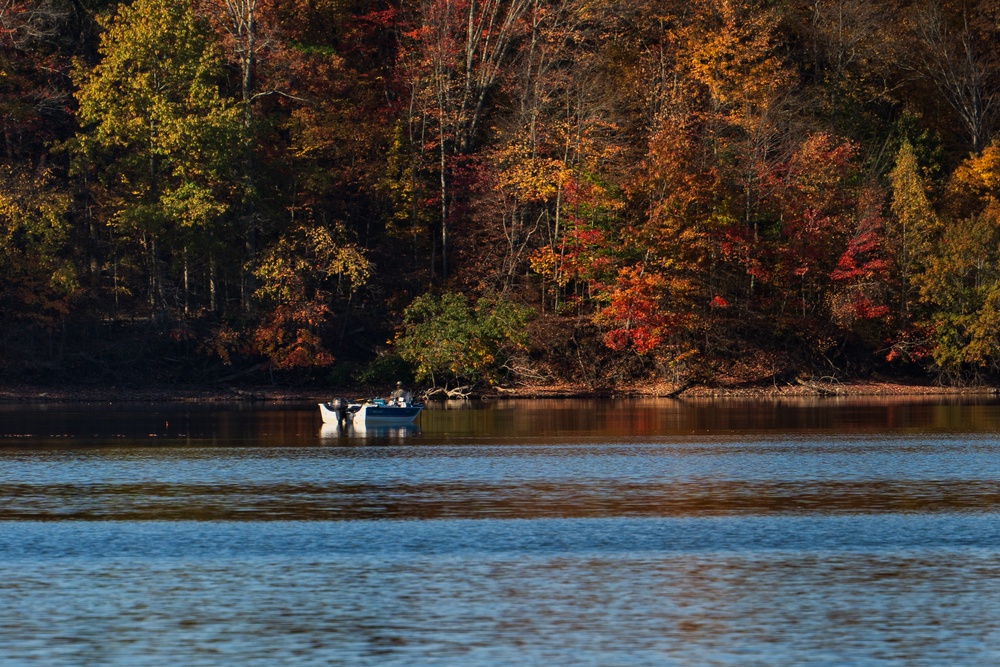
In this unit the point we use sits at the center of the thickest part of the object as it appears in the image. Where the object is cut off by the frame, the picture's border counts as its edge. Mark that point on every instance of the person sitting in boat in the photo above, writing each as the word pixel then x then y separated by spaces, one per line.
pixel 401 396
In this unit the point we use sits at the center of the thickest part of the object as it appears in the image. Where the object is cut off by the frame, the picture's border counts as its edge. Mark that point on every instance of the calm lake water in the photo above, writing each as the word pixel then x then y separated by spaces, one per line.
pixel 825 532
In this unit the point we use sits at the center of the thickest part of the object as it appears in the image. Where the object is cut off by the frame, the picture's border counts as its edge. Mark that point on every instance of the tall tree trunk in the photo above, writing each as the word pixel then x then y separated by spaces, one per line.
pixel 444 211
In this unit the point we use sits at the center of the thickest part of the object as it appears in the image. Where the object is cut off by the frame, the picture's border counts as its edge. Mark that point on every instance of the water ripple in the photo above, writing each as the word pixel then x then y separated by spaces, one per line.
pixel 459 500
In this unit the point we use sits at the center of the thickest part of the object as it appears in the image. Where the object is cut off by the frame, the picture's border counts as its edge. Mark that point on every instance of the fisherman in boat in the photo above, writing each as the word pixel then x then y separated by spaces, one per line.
pixel 401 396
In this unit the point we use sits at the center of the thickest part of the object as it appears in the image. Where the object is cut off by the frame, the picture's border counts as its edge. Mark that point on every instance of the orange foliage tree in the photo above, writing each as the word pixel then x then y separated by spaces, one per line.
pixel 301 277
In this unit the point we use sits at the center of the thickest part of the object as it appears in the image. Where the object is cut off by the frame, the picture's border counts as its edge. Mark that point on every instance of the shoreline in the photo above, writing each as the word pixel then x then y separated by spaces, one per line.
pixel 24 393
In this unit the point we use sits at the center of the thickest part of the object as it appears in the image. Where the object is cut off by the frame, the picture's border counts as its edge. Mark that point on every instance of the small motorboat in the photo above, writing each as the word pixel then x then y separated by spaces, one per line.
pixel 374 412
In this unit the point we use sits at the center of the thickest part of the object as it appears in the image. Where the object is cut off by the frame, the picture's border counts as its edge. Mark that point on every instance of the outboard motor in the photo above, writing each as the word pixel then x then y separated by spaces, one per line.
pixel 339 405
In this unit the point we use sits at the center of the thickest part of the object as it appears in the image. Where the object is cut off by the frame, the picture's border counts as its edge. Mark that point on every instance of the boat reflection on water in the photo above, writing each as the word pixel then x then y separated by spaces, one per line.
pixel 347 430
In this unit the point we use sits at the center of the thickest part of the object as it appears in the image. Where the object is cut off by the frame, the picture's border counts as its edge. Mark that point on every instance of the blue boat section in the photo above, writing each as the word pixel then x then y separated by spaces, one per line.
pixel 379 413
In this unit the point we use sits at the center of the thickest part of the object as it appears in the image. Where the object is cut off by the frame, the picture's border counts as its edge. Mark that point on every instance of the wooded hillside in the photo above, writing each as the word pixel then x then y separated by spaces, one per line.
pixel 499 191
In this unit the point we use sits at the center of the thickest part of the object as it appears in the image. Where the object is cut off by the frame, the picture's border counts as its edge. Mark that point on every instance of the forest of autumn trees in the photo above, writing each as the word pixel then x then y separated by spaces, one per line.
pixel 499 191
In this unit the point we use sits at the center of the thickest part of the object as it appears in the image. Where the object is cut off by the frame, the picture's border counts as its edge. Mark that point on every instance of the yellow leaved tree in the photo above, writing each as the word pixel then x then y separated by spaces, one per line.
pixel 161 143
pixel 38 278
pixel 960 284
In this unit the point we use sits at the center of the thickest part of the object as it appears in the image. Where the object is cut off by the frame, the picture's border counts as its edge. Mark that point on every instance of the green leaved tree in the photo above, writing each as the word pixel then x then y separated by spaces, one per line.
pixel 910 230
pixel 447 339
pixel 161 143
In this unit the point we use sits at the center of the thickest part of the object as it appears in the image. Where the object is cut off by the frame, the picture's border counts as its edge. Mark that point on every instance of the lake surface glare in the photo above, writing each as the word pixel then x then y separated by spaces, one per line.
pixel 627 532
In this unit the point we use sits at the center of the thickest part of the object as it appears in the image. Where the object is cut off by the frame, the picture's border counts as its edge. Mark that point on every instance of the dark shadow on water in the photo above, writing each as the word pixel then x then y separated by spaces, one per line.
pixel 570 420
